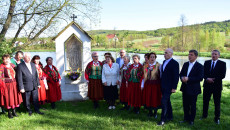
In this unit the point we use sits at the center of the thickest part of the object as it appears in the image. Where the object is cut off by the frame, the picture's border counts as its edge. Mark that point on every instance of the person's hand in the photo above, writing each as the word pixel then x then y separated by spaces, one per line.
pixel 210 80
pixel 173 90
pixel 186 79
pixel 47 88
pixel 39 86
pixel 22 90
pixel 127 84
pixel 183 80
pixel 105 84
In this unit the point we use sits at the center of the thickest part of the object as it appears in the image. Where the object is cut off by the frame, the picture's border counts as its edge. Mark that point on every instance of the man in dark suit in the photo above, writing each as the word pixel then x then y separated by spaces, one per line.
pixel 28 83
pixel 169 81
pixel 191 75
pixel 214 72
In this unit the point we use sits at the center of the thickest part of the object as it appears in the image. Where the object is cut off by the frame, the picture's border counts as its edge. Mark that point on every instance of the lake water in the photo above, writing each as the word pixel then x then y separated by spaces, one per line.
pixel 160 59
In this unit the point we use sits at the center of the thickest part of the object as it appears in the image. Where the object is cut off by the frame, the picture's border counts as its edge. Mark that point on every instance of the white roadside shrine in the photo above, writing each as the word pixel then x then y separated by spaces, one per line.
pixel 73 50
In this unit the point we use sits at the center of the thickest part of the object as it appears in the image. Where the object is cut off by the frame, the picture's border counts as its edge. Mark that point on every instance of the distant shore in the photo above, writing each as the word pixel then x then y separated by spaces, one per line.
pixel 201 54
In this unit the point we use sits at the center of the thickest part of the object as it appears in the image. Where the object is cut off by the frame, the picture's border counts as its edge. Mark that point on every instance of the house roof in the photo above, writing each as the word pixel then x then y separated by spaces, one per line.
pixel 110 36
pixel 79 27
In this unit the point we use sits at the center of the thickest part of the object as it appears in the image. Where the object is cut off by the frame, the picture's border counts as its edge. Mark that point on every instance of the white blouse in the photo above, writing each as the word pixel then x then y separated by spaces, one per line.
pixel 110 75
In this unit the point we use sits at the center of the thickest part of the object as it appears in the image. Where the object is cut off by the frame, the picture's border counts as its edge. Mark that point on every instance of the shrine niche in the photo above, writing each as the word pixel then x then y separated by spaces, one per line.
pixel 73 54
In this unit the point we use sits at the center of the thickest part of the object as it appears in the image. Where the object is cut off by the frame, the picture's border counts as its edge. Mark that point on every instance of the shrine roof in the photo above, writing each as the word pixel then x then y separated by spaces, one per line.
pixel 79 27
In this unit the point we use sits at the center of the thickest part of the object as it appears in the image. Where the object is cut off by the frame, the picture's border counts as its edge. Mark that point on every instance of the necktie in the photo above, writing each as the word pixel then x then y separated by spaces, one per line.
pixel 212 67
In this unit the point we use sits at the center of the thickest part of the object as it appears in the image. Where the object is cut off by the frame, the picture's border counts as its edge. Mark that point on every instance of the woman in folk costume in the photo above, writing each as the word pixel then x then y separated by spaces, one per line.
pixel 135 76
pixel 53 81
pixel 110 80
pixel 146 59
pixel 93 75
pixel 151 96
pixel 42 79
pixel 10 95
pixel 124 87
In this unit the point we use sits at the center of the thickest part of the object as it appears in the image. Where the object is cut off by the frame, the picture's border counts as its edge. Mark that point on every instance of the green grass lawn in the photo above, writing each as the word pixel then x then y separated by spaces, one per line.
pixel 81 115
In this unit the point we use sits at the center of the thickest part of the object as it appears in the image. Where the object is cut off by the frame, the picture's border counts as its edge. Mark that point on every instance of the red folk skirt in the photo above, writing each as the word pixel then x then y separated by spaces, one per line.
pixel 42 91
pixel 95 89
pixel 123 92
pixel 53 92
pixel 12 97
pixel 134 94
pixel 151 95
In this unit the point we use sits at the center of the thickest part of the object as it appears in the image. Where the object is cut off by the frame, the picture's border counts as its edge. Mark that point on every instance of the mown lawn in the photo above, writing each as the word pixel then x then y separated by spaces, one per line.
pixel 81 115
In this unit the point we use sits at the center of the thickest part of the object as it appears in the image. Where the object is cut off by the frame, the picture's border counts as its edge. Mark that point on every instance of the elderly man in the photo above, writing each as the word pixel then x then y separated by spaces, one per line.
pixel 120 60
pixel 169 81
pixel 28 83
pixel 214 73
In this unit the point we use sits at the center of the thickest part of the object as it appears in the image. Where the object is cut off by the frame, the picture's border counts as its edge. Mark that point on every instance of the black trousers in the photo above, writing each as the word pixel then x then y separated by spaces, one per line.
pixel 189 105
pixel 27 97
pixel 208 91
pixel 166 113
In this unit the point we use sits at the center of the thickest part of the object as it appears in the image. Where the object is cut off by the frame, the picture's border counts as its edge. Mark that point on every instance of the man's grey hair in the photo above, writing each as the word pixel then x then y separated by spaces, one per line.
pixel 216 51
pixel 170 50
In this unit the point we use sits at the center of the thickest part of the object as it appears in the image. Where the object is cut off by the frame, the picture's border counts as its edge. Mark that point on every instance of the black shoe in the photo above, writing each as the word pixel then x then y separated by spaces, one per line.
pixel 161 123
pixel 191 123
pixel 128 108
pixel 30 113
pixel 14 113
pixel 137 112
pixel 150 115
pixel 53 106
pixel 217 121
pixel 10 114
pixel 41 113
pixel 3 110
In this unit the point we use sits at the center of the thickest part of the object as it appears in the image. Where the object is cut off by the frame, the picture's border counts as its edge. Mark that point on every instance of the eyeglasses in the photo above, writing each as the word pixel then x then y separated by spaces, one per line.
pixel 95 56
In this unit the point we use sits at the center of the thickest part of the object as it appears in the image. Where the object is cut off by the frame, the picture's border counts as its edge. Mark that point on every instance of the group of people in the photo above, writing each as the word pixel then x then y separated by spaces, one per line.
pixel 151 84
pixel 23 79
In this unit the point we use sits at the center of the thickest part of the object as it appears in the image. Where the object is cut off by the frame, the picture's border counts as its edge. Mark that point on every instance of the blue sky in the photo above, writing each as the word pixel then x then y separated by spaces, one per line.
pixel 155 14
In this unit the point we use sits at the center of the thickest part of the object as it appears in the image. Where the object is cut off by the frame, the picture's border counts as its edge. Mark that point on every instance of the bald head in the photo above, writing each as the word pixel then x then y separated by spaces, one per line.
pixel 168 53
pixel 27 57
pixel 122 53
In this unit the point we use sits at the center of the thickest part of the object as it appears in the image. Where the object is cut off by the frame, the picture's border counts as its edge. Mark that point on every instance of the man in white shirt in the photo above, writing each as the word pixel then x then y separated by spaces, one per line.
pixel 28 83
pixel 120 60
pixel 191 75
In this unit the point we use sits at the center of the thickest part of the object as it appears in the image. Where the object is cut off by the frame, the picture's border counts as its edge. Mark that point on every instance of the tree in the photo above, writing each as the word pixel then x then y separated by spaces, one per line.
pixel 182 23
pixel 33 18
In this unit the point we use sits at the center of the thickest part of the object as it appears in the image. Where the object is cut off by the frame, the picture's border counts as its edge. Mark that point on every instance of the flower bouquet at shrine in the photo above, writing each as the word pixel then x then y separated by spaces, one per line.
pixel 74 75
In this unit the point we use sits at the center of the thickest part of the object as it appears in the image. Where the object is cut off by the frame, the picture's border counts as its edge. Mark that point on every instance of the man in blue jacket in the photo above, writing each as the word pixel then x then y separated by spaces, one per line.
pixel 120 60
pixel 169 81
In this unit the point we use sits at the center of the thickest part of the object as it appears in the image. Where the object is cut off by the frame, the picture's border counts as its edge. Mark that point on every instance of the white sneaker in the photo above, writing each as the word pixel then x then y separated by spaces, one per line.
pixel 114 107
pixel 110 107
